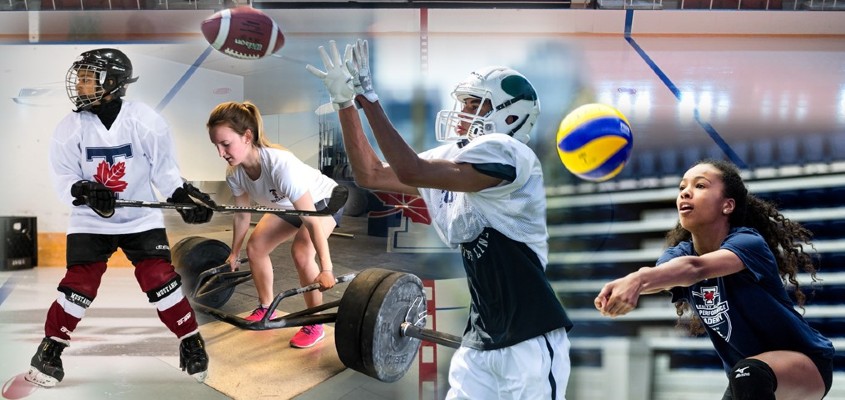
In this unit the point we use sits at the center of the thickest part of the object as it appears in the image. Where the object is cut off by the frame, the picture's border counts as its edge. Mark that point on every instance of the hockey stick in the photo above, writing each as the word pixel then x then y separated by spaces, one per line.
pixel 336 202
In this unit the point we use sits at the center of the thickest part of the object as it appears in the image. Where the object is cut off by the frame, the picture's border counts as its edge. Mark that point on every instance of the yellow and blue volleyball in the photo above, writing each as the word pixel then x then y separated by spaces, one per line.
pixel 594 142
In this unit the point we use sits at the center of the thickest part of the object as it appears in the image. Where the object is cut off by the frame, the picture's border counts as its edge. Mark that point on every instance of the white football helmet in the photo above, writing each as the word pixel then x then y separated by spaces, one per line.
pixel 515 106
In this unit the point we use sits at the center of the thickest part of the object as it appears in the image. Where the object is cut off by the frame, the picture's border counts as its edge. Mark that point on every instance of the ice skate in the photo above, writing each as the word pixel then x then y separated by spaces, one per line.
pixel 46 366
pixel 193 358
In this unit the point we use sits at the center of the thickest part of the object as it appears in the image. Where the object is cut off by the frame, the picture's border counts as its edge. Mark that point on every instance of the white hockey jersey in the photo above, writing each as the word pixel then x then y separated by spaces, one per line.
pixel 130 158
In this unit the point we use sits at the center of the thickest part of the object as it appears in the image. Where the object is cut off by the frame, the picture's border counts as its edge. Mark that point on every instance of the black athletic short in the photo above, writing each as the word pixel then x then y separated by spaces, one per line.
pixel 87 248
pixel 825 367
pixel 296 221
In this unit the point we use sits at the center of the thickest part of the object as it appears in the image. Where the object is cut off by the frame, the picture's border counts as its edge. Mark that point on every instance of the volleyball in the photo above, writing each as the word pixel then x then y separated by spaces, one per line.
pixel 594 142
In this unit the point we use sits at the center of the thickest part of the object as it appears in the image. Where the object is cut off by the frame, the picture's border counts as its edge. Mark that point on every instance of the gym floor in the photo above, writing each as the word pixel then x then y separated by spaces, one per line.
pixel 121 350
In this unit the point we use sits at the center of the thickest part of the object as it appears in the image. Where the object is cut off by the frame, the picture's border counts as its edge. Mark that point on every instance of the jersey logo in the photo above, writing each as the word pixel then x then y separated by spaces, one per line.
pixel 276 197
pixel 110 173
pixel 713 311
pixel 474 250
pixel 448 196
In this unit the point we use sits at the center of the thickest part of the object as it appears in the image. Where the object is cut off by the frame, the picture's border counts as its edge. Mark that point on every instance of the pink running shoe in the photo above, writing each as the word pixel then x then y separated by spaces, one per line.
pixel 258 314
pixel 307 336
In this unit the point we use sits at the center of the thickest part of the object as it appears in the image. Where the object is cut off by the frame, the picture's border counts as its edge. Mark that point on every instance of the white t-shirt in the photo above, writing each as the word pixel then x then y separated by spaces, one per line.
pixel 284 178
pixel 130 158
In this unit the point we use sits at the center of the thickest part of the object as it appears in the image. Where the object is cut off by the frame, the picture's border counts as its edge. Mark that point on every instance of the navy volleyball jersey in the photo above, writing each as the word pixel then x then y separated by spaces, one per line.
pixel 749 312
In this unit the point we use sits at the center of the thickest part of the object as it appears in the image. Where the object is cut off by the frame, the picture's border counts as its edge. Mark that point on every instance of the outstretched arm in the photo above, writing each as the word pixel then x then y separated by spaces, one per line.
pixel 621 296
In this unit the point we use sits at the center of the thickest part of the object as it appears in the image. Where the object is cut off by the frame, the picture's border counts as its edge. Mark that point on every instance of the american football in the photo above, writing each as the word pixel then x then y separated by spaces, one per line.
pixel 243 32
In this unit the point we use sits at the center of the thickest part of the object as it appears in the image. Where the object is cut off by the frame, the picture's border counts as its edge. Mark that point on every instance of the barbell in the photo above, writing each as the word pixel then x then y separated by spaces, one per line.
pixel 379 322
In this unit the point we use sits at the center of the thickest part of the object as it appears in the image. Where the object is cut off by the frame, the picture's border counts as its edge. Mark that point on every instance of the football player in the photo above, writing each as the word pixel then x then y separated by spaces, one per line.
pixel 484 190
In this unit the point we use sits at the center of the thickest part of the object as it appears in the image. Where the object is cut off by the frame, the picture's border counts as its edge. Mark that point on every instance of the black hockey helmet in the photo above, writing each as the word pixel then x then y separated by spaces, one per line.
pixel 111 69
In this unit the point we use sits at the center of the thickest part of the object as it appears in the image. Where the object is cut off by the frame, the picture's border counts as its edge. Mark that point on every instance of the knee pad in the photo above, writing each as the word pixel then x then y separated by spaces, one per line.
pixel 81 282
pixel 158 278
pixel 752 379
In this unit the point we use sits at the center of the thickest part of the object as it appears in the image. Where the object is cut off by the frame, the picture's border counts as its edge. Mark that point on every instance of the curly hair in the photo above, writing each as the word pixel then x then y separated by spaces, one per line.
pixel 785 238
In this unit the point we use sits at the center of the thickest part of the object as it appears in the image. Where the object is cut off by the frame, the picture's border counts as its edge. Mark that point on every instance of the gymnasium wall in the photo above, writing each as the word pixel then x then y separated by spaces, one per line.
pixel 38 47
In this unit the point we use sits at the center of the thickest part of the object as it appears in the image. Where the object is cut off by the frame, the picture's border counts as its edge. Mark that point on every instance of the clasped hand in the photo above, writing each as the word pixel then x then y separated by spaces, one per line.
pixel 618 297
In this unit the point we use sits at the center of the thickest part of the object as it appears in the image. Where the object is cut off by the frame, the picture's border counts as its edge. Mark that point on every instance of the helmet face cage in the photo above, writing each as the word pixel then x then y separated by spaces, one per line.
pixel 514 102
pixel 111 70
pixel 448 121
pixel 84 101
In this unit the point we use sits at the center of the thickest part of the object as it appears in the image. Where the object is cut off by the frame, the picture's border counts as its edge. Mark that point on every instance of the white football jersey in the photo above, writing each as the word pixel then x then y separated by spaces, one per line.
pixel 517 209
pixel 284 178
pixel 130 158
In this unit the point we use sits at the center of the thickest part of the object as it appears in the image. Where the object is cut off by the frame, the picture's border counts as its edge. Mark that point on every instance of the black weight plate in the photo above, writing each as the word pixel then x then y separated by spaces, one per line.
pixel 357 202
pixel 386 353
pixel 350 313
pixel 194 255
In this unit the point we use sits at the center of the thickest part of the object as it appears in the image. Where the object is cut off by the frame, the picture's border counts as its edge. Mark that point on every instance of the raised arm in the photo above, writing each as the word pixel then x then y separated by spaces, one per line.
pixel 407 166
pixel 369 171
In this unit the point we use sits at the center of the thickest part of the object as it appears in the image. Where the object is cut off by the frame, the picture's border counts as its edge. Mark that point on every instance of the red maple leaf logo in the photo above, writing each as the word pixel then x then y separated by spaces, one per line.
pixel 110 176
pixel 410 206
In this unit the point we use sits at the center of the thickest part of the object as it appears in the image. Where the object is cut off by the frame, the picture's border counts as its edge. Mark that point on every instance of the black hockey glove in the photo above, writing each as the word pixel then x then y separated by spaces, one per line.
pixel 95 195
pixel 198 215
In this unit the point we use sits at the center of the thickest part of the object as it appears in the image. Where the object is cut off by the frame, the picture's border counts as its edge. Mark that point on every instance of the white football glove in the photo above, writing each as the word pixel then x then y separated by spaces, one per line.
pixel 337 79
pixel 359 67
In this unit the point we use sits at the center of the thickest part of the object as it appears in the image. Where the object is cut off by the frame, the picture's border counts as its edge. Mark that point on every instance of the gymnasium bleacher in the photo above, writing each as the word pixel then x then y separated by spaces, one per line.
pixel 599 232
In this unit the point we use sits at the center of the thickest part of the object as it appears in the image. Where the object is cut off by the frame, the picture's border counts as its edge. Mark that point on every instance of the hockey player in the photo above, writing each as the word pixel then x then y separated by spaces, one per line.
pixel 110 147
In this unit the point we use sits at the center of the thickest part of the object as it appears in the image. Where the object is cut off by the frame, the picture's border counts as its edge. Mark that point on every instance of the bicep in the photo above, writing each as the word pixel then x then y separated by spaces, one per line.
pixel 304 202
pixel 684 271
pixel 383 177
pixel 718 263
pixel 242 201
pixel 456 177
